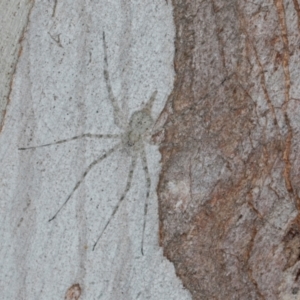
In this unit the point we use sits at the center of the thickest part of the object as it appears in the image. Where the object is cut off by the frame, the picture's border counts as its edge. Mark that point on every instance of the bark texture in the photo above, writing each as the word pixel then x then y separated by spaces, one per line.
pixel 13 22
pixel 59 90
pixel 229 188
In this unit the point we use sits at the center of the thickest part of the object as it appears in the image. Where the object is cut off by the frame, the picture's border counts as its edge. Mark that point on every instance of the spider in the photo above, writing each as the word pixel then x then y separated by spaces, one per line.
pixel 131 140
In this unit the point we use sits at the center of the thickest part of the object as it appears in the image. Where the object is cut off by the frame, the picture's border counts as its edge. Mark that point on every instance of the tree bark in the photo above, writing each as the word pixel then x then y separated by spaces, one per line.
pixel 13 22
pixel 228 181
pixel 85 69
pixel 229 187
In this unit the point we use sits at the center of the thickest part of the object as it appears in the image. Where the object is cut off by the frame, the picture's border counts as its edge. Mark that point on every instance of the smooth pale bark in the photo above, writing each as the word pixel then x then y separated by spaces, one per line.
pixel 58 92
pixel 13 21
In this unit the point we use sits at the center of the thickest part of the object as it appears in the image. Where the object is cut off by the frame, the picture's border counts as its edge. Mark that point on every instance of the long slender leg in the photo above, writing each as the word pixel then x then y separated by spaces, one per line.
pixel 86 135
pixel 150 102
pixel 148 184
pixel 128 185
pixel 118 116
pixel 95 162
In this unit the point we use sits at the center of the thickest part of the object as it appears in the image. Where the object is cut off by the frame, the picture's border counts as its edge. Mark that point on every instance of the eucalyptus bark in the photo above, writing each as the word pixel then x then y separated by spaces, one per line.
pixel 229 135
pixel 229 188
pixel 79 216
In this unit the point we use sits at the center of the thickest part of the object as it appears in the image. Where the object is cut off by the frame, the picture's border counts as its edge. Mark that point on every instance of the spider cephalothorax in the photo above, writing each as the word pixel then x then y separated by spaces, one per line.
pixel 139 125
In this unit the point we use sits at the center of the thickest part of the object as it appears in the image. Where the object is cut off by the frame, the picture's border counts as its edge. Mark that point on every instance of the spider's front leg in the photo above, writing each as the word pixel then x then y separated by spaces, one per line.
pixel 118 115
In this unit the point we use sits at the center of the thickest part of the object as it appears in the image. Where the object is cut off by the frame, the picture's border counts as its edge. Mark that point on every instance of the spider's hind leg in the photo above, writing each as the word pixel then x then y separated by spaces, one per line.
pixel 128 185
pixel 88 169
pixel 150 102
pixel 148 184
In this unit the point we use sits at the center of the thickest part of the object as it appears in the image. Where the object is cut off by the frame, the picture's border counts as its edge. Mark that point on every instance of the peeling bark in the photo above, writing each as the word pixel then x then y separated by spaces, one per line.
pixel 229 188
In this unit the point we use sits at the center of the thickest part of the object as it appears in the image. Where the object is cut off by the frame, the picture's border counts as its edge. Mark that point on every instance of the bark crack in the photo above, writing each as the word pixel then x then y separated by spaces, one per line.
pixel 285 63
pixel 16 64
pixel 297 8
pixel 264 86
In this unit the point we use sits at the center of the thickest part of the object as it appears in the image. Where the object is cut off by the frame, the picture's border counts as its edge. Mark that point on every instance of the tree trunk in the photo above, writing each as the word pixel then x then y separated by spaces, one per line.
pixel 102 86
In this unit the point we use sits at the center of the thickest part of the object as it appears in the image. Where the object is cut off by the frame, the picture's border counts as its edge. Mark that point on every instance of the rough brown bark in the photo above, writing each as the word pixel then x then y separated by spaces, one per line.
pixel 229 188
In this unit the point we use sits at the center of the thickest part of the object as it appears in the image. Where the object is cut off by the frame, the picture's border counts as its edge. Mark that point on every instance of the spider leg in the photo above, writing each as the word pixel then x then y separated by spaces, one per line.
pixel 150 102
pixel 95 162
pixel 118 116
pixel 128 185
pixel 85 135
pixel 148 184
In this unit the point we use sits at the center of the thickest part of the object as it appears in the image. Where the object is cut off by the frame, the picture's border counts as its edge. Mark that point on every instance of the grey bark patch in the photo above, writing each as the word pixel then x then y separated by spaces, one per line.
pixel 14 18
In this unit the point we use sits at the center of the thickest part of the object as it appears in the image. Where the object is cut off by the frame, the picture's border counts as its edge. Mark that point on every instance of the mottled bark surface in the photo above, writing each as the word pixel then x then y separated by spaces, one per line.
pixel 100 244
pixel 229 189
pixel 14 18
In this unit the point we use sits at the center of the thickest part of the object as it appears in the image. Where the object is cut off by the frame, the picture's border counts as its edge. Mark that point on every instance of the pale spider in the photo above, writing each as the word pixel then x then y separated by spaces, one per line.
pixel 131 140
